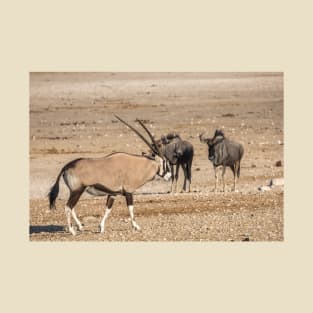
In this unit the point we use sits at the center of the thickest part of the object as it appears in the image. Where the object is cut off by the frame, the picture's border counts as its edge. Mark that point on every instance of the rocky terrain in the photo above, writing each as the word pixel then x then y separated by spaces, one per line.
pixel 72 116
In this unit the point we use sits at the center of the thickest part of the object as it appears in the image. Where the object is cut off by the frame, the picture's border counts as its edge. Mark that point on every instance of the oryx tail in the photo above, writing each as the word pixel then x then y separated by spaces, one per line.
pixel 54 191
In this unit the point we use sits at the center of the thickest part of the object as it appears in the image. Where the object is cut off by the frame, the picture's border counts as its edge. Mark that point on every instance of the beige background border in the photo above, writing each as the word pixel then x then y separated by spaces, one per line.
pixel 155 36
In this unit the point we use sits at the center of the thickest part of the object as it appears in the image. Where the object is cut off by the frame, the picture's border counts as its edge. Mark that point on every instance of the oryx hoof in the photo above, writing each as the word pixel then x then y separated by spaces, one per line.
pixel 72 231
pixel 136 227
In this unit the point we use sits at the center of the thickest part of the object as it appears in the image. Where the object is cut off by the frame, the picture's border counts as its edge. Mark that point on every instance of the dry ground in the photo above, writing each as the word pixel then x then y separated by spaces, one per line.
pixel 72 115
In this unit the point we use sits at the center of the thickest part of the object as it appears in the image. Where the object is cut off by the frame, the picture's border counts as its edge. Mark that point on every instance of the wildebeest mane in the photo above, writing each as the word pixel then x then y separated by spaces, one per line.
pixel 170 137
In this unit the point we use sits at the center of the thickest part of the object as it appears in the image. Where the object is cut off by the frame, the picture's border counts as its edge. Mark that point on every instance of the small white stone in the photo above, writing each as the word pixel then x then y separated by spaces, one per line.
pixel 264 188
pixel 276 182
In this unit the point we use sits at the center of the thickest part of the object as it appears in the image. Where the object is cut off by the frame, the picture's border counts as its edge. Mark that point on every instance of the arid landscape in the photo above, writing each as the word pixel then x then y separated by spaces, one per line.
pixel 71 115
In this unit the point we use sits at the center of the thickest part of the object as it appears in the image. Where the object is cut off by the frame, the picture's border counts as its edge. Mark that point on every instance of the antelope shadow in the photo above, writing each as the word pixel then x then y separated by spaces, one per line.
pixel 36 229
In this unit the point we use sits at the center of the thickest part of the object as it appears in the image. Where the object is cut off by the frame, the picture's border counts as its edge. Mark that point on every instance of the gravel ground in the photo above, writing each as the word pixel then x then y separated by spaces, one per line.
pixel 72 116
pixel 182 217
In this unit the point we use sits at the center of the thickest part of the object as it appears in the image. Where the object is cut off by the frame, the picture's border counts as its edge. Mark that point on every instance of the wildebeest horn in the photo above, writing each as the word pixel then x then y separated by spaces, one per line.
pixel 150 135
pixel 136 132
pixel 219 132
pixel 202 139
pixel 217 139
pixel 218 136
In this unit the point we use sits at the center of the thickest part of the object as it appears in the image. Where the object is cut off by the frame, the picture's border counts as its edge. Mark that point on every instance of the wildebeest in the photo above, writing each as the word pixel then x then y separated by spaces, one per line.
pixel 180 153
pixel 115 174
pixel 223 153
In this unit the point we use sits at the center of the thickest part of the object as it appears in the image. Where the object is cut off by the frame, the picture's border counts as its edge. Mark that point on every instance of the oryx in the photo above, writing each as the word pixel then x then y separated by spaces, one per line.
pixel 119 173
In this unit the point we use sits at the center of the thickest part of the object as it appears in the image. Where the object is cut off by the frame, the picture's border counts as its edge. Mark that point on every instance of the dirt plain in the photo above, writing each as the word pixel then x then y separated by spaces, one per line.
pixel 72 115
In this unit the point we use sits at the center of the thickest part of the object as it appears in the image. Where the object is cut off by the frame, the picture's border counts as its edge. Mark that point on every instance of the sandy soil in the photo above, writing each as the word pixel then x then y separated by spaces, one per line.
pixel 72 115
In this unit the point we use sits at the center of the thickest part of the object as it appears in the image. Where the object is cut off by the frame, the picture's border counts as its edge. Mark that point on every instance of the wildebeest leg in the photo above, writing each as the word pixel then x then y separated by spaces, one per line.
pixel 110 201
pixel 172 173
pixel 189 175
pixel 69 210
pixel 216 169
pixel 235 171
pixel 223 173
pixel 184 166
pixel 129 201
pixel 175 178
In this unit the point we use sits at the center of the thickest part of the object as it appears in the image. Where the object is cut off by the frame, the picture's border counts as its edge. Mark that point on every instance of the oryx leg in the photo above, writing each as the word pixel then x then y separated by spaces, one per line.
pixel 129 201
pixel 110 201
pixel 69 210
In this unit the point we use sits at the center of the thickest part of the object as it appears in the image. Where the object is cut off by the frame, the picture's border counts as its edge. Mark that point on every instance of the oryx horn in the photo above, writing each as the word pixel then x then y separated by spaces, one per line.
pixel 150 135
pixel 141 136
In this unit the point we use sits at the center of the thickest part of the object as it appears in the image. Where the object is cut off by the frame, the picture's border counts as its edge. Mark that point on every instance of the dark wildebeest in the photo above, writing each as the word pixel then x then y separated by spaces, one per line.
pixel 180 153
pixel 223 153
pixel 116 174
